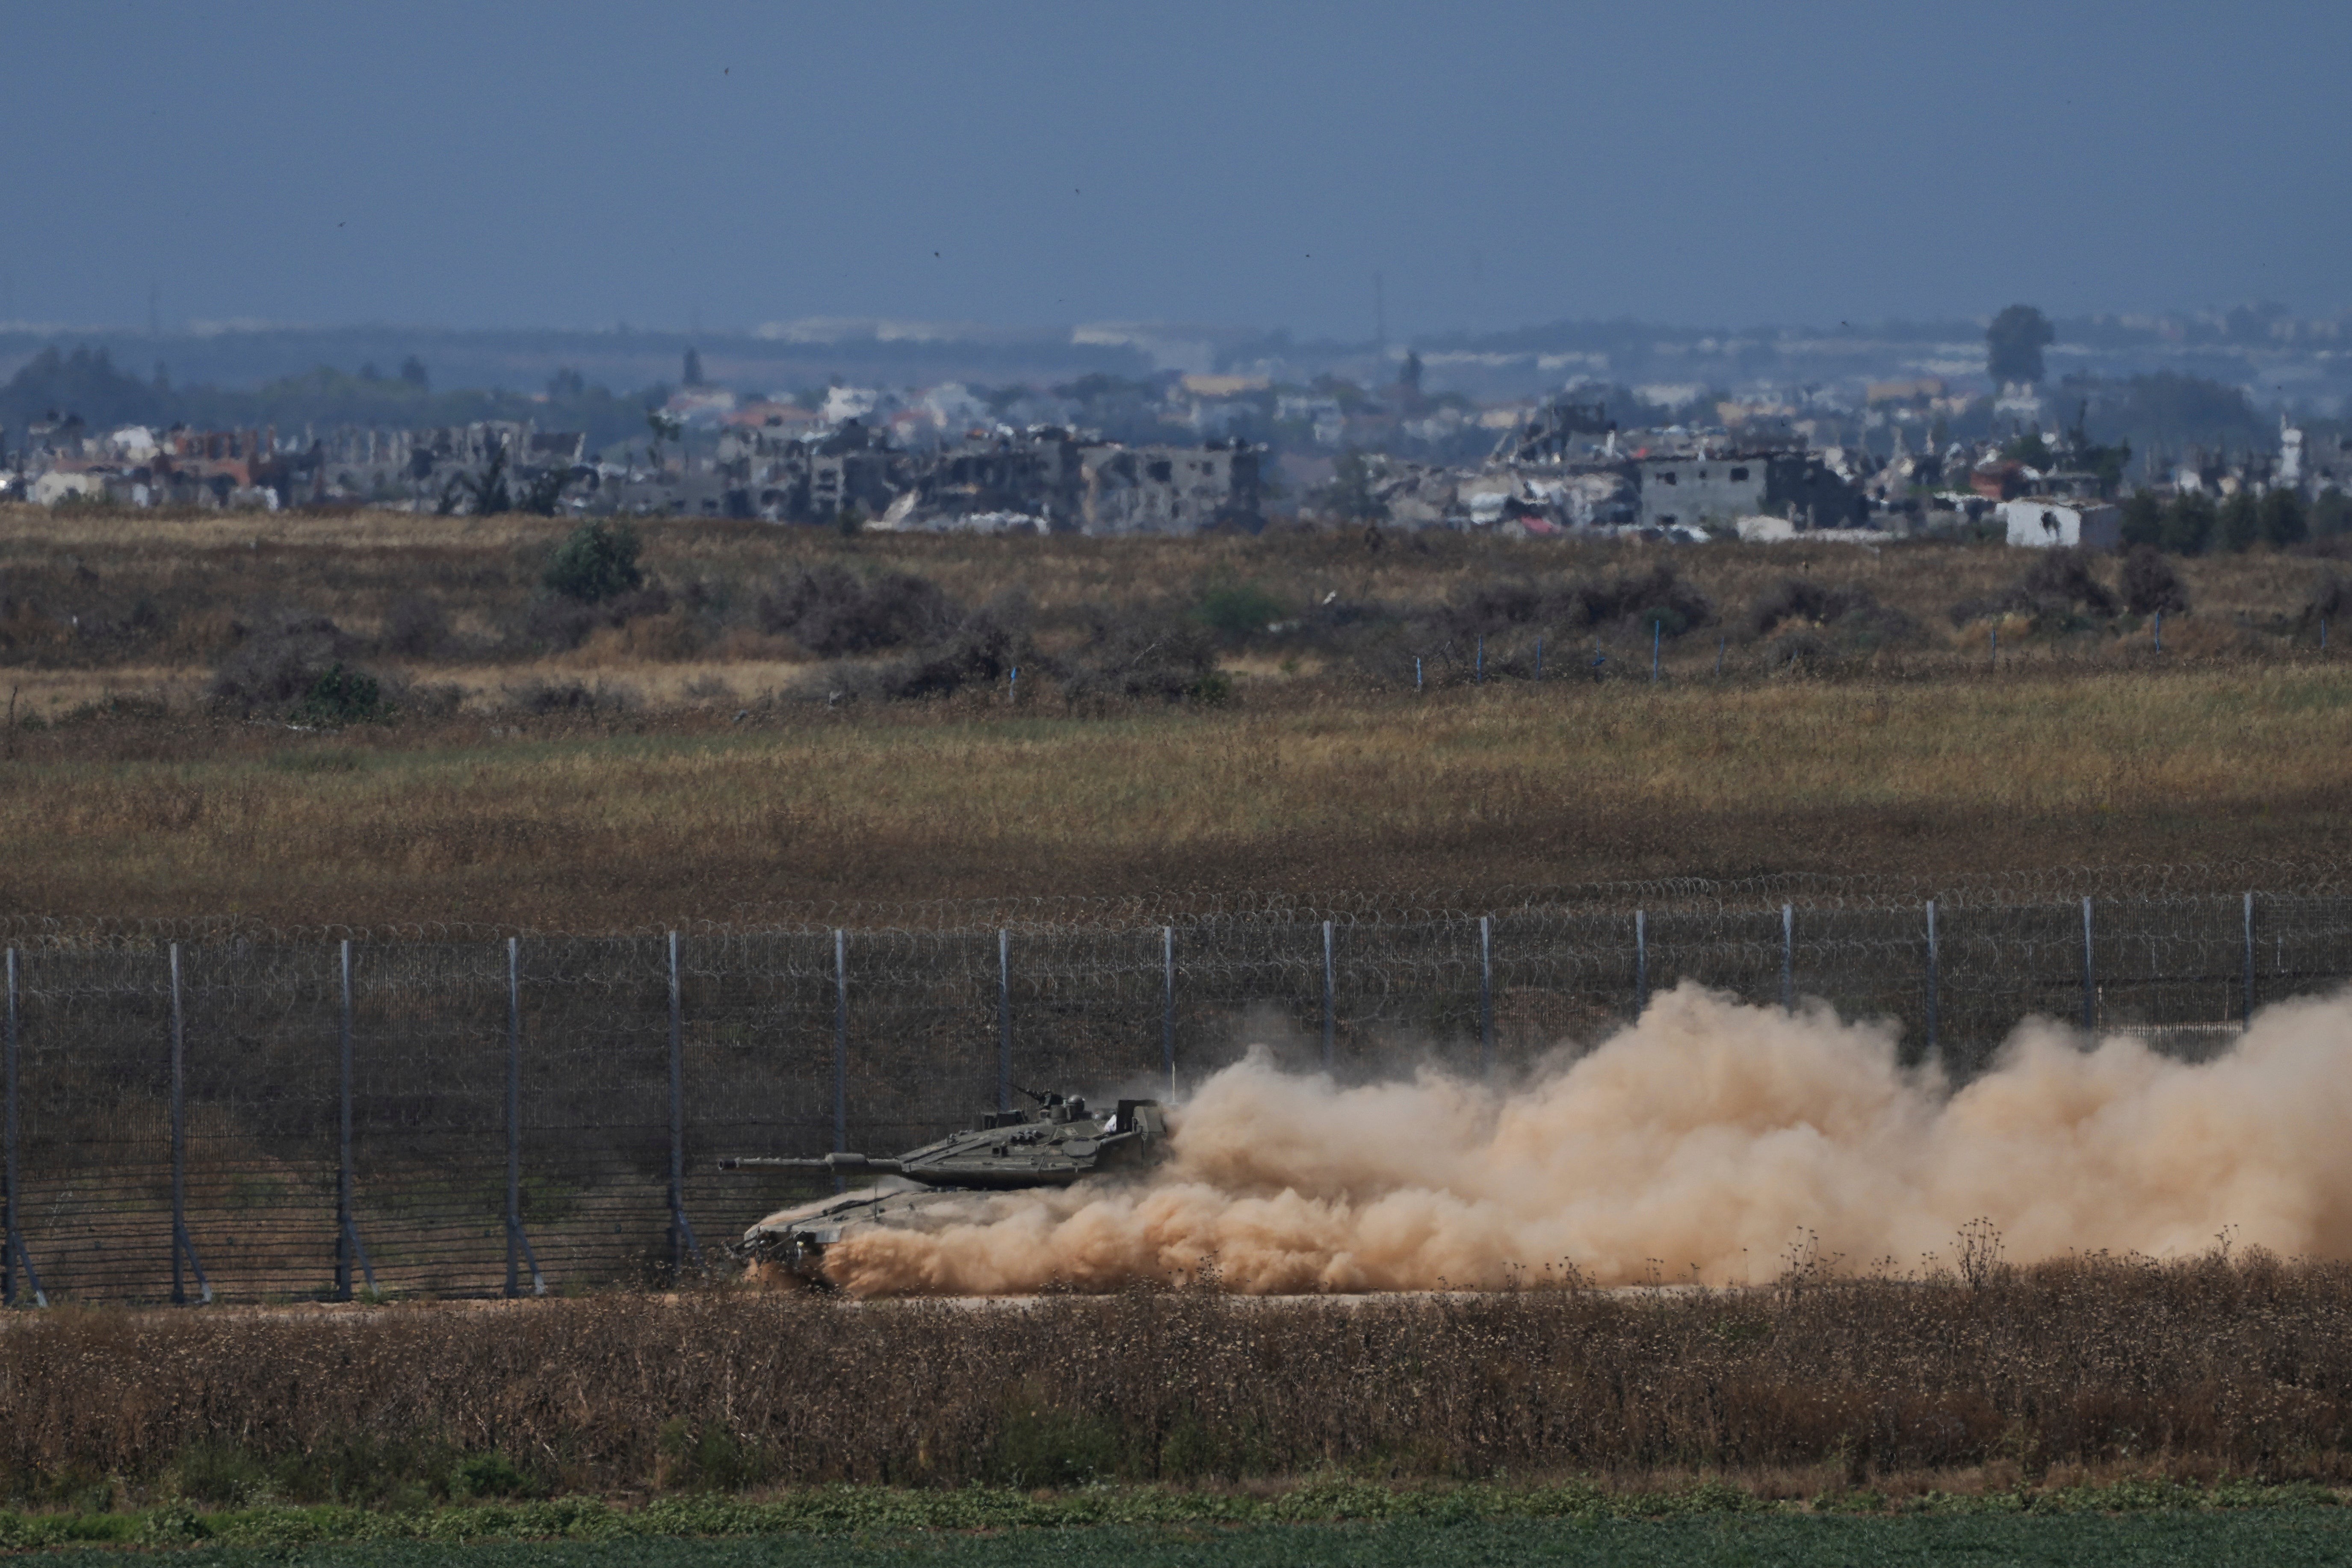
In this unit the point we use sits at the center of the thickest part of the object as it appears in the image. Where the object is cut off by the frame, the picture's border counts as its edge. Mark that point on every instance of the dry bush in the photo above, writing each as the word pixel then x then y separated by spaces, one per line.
pixel 2041 763
pixel 1158 657
pixel 2059 589
pixel 831 612
pixel 2151 586
pixel 2208 1365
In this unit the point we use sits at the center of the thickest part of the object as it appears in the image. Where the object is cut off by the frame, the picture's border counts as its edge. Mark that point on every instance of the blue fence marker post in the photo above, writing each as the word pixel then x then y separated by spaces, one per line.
pixel 1657 633
pixel 2159 631
pixel 1994 662
pixel 1719 643
pixel 1416 675
pixel 1479 676
pixel 1012 687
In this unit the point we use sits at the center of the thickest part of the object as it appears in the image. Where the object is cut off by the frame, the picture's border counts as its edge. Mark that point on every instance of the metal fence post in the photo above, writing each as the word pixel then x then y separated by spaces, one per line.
pixel 1787 958
pixel 1168 1004
pixel 1330 983
pixel 683 1249
pixel 2090 975
pixel 1933 976
pixel 1479 675
pixel 1641 963
pixel 347 1230
pixel 13 1253
pixel 1004 1019
pixel 1658 631
pixel 2246 1019
pixel 519 1249
pixel 183 1251
pixel 840 1048
pixel 1485 994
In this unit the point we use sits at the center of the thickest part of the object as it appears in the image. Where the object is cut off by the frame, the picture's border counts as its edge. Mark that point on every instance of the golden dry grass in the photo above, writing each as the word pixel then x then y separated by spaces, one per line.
pixel 2192 1368
pixel 1325 772
pixel 566 825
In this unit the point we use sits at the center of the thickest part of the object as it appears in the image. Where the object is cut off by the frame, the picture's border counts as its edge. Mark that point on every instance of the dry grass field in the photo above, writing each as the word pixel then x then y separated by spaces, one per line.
pixel 2064 1372
pixel 680 757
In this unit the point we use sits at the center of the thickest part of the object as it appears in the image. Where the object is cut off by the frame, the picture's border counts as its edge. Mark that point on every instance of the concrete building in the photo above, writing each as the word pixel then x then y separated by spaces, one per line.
pixel 2053 522
pixel 1694 490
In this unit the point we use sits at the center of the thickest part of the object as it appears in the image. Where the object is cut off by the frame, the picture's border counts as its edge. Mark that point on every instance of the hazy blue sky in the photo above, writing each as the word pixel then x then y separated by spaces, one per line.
pixel 484 165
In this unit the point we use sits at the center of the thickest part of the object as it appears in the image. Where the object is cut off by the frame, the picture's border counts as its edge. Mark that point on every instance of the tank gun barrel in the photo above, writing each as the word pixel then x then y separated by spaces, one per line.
pixel 839 1164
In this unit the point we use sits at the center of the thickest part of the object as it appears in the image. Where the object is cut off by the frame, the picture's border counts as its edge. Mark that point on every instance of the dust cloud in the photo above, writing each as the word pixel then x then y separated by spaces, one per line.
pixel 1700 1142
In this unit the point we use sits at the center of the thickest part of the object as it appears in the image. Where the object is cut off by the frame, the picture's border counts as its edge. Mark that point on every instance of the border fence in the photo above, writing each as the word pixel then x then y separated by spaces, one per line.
pixel 200 1114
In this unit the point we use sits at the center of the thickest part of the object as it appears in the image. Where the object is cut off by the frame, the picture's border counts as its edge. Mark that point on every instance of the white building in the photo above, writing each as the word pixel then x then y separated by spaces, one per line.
pixel 2048 523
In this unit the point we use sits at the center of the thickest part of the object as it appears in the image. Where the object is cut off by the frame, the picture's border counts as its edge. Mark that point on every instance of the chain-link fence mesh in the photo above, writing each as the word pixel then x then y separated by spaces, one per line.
pixel 571 1076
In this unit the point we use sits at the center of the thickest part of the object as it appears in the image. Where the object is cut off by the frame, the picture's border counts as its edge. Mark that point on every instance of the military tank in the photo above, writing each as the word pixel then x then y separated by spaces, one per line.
pixel 1052 1144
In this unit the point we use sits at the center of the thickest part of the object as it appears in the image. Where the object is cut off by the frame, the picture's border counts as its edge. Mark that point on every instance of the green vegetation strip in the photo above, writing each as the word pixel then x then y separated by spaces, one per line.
pixel 2276 1538
pixel 866 1511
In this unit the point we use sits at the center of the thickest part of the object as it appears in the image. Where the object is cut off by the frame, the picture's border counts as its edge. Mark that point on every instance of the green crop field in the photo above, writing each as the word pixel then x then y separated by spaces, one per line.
pixel 2276 1538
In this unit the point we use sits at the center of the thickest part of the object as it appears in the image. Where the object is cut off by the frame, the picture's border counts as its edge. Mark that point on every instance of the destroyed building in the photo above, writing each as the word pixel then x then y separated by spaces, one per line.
pixel 1693 490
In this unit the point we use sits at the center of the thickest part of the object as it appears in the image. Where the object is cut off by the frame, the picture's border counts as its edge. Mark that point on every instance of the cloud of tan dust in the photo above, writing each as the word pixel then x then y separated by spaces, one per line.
pixel 1708 1134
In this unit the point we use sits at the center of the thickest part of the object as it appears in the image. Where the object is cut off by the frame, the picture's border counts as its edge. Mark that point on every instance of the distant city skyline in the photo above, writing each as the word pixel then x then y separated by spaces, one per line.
pixel 1320 169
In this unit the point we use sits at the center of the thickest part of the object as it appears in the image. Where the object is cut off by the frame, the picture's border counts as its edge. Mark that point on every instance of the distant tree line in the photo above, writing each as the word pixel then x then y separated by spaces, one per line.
pixel 87 381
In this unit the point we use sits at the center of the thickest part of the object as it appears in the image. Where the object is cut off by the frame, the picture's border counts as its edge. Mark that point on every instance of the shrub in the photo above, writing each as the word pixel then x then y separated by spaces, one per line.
pixel 980 653
pixel 415 627
pixel 283 663
pixel 2151 586
pixel 1166 658
pixel 2241 522
pixel 2284 522
pixel 2329 599
pixel 832 611
pixel 2058 589
pixel 1238 611
pixel 2331 515
pixel 342 696
pixel 2189 524
pixel 564 623
pixel 1804 600
pixel 1660 597
pixel 544 697
pixel 598 561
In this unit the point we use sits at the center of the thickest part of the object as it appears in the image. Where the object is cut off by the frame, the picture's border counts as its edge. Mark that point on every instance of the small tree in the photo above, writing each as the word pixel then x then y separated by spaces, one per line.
pixel 2143 522
pixel 2189 524
pixel 2241 522
pixel 598 561
pixel 2284 522
pixel 2151 585
pixel 2331 515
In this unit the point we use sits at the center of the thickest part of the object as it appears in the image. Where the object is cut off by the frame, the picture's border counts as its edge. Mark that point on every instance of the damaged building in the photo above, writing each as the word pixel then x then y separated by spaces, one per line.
pixel 1698 489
